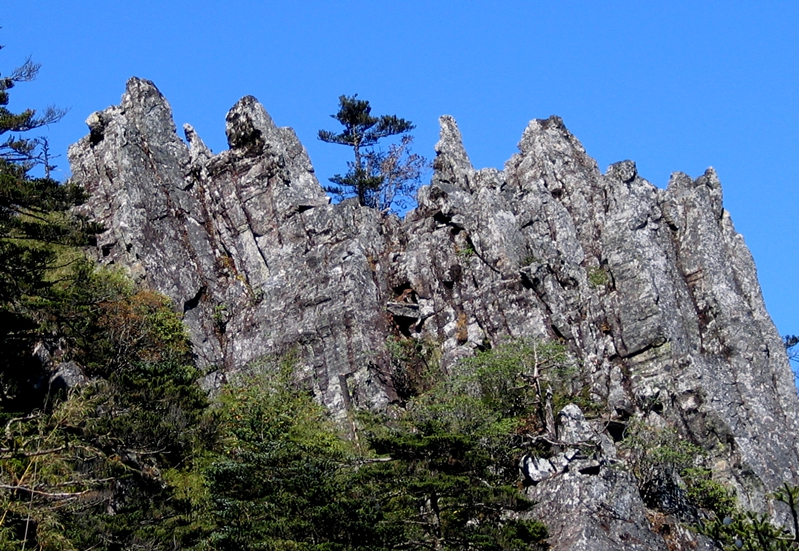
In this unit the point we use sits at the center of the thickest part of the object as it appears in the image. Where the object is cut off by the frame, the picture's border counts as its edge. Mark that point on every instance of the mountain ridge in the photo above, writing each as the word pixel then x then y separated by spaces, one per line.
pixel 652 291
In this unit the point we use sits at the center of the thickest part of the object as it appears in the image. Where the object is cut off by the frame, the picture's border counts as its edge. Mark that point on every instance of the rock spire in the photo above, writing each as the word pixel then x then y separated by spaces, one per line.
pixel 652 290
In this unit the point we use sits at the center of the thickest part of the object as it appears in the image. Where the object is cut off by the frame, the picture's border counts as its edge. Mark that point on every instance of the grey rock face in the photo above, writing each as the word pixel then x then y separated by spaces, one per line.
pixel 244 242
pixel 67 375
pixel 572 426
pixel 579 449
pixel 652 291
pixel 604 512
pixel 535 469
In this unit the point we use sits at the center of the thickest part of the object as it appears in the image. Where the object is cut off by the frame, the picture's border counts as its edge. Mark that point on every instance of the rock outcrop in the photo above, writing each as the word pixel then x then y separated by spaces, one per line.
pixel 652 290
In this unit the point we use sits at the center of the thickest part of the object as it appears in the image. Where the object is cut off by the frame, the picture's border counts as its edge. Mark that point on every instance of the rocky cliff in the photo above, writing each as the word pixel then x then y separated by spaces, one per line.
pixel 652 290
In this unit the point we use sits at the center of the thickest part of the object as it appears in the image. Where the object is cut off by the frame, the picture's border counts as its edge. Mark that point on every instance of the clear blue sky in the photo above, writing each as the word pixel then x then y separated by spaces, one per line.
pixel 674 85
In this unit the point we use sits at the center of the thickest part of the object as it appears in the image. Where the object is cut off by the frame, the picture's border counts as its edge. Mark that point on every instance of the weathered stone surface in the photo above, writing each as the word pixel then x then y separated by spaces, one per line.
pixel 66 376
pixel 573 427
pixel 535 469
pixel 652 290
pixel 604 512
pixel 244 242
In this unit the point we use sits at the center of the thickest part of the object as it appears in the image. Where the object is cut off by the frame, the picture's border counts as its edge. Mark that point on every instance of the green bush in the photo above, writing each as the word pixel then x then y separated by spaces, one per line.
pixel 755 532
pixel 661 460
pixel 448 480
pixel 748 531
pixel 279 477
pixel 465 252
pixel 515 377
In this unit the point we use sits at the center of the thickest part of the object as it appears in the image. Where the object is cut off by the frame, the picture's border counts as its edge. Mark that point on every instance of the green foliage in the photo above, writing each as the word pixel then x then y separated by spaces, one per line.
pixel 361 129
pixel 88 469
pixel 671 477
pixel 447 490
pixel 435 496
pixel 708 494
pixel 748 531
pixel 529 260
pixel 109 325
pixel 789 495
pixel 279 479
pixel 514 379
pixel 597 276
pixel 88 473
pixel 518 535
pixel 466 252
pixel 220 317
pixel 15 148
pixel 378 179
pixel 668 469
pixel 35 223
pixel 655 449
pixel 283 477
pixel 414 365
pixel 752 531
pixel 449 480
pixel 147 419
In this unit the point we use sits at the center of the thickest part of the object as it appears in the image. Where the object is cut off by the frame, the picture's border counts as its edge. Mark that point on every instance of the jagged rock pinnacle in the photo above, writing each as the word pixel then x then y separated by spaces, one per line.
pixel 652 291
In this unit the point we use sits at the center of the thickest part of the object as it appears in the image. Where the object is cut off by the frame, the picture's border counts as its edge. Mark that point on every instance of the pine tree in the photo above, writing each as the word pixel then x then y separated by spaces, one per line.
pixel 34 220
pixel 283 479
pixel 449 473
pixel 376 177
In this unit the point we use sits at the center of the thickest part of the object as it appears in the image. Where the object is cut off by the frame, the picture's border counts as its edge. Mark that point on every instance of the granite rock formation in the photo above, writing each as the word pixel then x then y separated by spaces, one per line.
pixel 652 290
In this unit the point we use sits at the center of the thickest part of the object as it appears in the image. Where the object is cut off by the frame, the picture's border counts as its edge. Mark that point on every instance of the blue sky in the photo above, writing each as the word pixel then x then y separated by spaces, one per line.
pixel 671 85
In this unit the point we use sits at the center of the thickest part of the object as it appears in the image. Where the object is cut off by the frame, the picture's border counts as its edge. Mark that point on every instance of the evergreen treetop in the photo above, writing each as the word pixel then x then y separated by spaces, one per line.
pixel 361 129
pixel 375 177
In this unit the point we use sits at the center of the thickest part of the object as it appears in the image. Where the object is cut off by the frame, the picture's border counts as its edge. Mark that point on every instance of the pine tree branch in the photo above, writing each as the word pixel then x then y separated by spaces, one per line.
pixel 56 496
pixel 9 454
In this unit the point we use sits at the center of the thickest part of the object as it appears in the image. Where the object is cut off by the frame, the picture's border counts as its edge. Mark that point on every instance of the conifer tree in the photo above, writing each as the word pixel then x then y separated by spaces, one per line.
pixel 376 177
pixel 34 219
